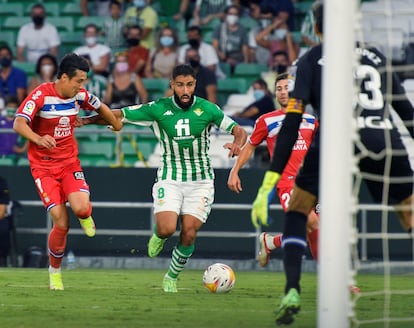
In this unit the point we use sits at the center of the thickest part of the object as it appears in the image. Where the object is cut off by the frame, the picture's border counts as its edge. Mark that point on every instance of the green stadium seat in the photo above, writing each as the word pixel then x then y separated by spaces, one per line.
pixel 71 9
pixel 226 87
pixel 96 150
pixel 85 20
pixel 52 9
pixel 14 23
pixel 11 9
pixel 156 87
pixel 62 23
pixel 8 37
pixel 71 39
pixel 249 71
pixel 226 68
pixel 248 22
pixel 28 68
pixel 7 161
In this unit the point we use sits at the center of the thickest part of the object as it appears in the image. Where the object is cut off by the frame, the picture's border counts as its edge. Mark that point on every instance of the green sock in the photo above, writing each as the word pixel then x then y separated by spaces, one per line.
pixel 179 258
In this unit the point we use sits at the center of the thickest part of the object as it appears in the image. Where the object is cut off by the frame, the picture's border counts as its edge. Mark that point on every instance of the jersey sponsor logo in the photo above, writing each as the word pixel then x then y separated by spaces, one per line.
pixel 374 122
pixel 36 95
pixel 79 175
pixel 135 107
pixel 182 127
pixel 29 107
pixel 198 112
pixel 168 112
pixel 63 129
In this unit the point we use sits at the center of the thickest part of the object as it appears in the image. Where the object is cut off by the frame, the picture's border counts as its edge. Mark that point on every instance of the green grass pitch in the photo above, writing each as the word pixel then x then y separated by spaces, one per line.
pixel 133 298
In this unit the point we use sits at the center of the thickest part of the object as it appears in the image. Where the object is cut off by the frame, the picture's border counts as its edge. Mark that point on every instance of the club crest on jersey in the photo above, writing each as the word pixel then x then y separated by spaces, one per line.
pixel 198 111
pixel 29 107
pixel 79 175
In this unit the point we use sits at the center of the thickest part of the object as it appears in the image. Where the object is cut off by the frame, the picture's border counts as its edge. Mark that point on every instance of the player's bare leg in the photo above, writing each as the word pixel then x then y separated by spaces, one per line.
pixel 165 226
pixel 82 208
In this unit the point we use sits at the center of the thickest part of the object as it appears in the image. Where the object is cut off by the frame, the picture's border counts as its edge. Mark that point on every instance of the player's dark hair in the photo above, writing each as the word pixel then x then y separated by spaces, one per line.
pixel 89 26
pixel 280 52
pixel 70 64
pixel 183 69
pixel 38 5
pixel 282 76
pixel 48 56
pixel 317 10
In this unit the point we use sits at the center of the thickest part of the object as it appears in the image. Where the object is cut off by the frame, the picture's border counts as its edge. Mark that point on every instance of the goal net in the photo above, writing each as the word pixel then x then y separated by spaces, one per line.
pixel 381 258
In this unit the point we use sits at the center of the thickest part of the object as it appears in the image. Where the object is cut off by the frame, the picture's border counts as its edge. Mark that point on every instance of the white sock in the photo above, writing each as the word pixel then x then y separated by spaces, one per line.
pixel 54 270
pixel 269 242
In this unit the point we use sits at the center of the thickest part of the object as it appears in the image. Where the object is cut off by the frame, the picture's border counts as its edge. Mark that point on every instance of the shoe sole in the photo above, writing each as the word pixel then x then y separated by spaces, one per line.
pixel 288 316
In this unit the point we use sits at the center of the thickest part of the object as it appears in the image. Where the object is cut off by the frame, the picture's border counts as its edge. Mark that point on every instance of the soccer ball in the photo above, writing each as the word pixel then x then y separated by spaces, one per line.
pixel 219 278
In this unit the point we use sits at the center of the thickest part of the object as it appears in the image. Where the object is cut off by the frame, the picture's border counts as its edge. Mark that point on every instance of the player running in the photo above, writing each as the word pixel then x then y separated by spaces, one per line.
pixel 267 128
pixel 184 188
pixel 47 118
pixel 377 134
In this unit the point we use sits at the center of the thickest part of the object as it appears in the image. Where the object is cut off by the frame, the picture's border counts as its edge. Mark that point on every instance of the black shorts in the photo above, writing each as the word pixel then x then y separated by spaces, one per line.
pixel 399 185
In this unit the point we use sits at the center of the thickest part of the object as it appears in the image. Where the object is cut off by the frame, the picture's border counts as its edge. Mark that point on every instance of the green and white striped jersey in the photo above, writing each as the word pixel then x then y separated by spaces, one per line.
pixel 184 135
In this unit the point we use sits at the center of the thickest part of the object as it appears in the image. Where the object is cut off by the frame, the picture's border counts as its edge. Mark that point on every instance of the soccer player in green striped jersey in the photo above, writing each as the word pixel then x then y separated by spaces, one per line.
pixel 184 188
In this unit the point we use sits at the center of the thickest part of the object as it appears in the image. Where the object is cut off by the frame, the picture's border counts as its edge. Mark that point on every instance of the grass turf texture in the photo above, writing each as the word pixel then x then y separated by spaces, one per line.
pixel 133 298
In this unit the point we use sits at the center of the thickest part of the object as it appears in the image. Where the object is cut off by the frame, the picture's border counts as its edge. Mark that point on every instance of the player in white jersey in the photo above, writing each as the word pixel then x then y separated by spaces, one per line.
pixel 185 180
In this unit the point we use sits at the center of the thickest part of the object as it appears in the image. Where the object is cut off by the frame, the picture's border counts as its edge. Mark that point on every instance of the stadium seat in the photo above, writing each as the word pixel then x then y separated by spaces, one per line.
pixel 225 87
pixel 8 37
pixel 14 23
pixel 96 150
pixel 52 9
pixel 71 39
pixel 237 102
pixel 27 67
pixel 71 9
pixel 6 161
pixel 10 9
pixel 62 23
pixel 156 87
pixel 85 20
pixel 225 67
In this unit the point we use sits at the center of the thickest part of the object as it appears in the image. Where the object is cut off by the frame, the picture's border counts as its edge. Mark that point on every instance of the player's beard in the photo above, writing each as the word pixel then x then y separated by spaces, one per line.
pixel 183 105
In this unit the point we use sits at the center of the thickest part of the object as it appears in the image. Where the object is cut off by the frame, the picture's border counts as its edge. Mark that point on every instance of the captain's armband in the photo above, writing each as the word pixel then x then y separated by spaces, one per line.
pixel 295 106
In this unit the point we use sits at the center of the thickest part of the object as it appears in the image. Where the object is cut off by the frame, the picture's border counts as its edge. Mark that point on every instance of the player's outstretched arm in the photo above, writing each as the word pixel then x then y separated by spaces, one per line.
pixel 233 181
pixel 240 137
pixel 111 117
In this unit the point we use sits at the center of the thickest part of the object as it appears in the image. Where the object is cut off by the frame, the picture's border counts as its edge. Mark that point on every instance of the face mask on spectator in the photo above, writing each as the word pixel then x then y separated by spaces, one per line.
pixel 232 19
pixel 121 67
pixel 91 40
pixel 194 63
pixel 5 62
pixel 279 69
pixel 194 43
pixel 166 41
pixel 140 3
pixel 46 69
pixel 38 20
pixel 132 42
pixel 258 94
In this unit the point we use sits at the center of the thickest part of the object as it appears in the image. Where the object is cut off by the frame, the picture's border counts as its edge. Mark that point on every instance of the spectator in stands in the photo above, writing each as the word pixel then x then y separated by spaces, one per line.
pixel 206 86
pixel 207 10
pixel 13 80
pixel 124 88
pixel 37 38
pixel 264 17
pixel 95 7
pixel 113 26
pixel 99 54
pixel 178 10
pixel 137 54
pixel 263 104
pixel 143 15
pixel 164 57
pixel 279 64
pixel 208 55
pixel 46 70
pixel 230 39
pixel 278 39
pixel 309 37
pixel 94 83
pixel 283 11
pixel 11 144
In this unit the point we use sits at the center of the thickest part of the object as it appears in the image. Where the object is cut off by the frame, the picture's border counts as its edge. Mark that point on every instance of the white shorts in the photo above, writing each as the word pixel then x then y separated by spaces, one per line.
pixel 194 198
